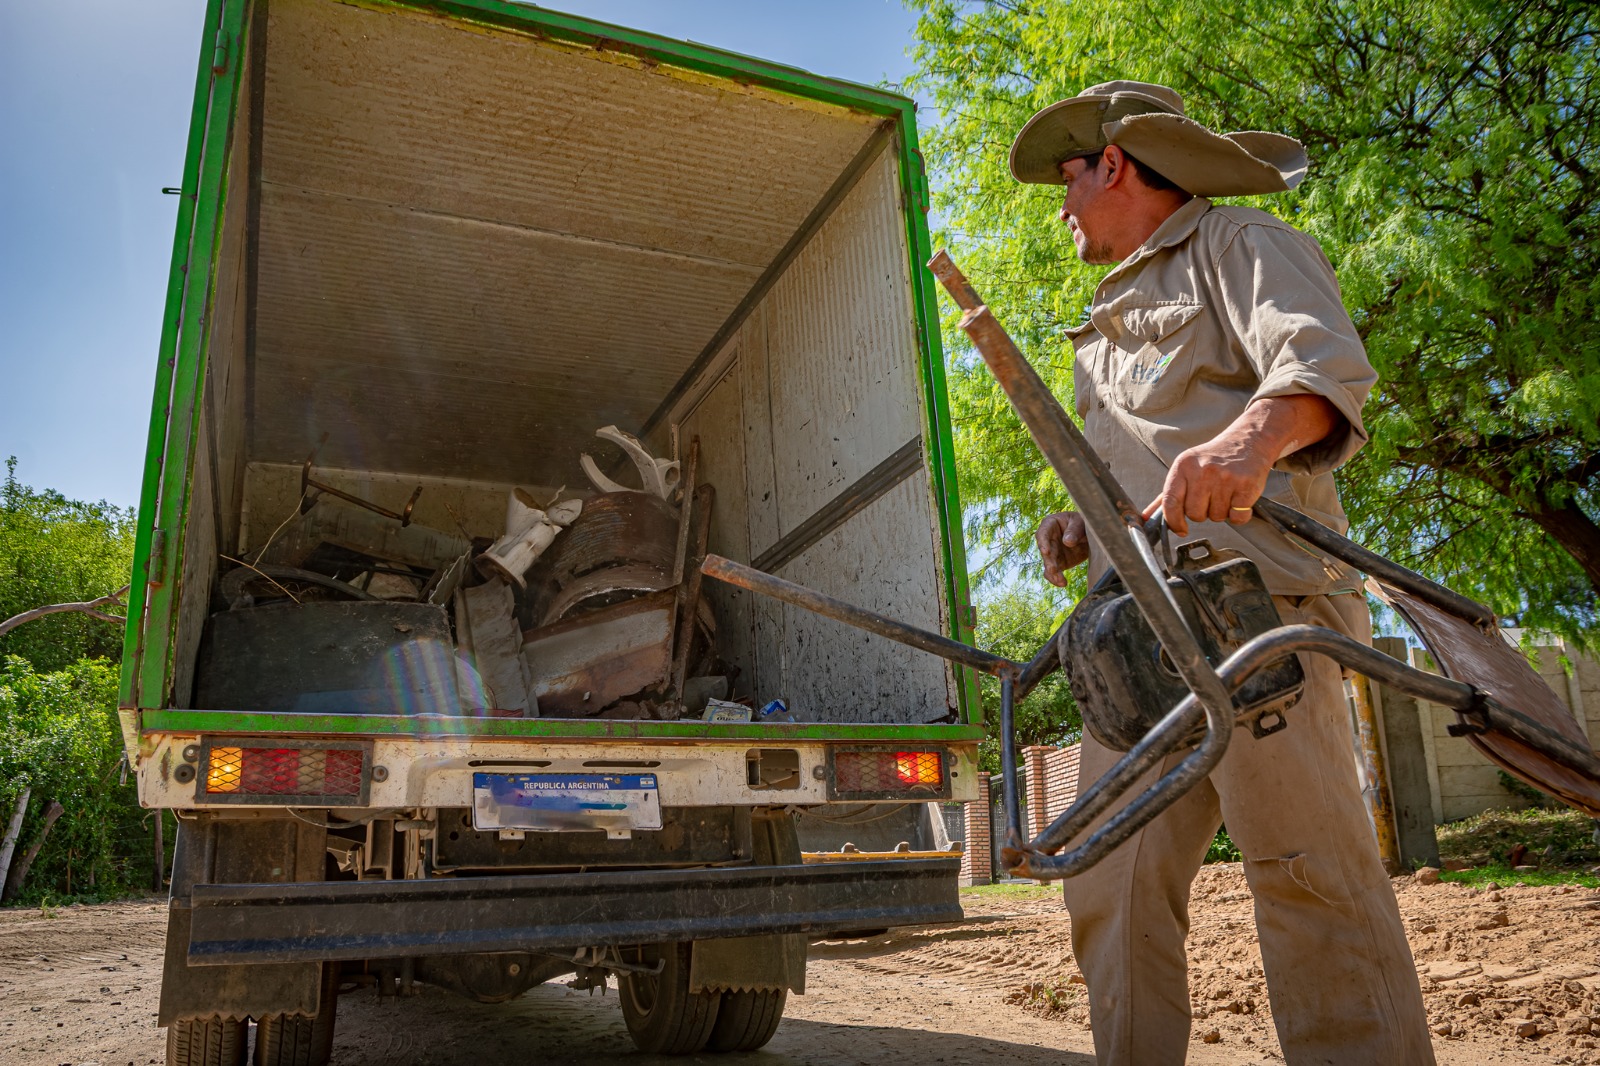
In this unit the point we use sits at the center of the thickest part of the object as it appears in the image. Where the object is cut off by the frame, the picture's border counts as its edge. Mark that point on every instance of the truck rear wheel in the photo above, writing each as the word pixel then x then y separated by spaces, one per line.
pixel 299 1039
pixel 662 1015
pixel 747 1020
pixel 207 1042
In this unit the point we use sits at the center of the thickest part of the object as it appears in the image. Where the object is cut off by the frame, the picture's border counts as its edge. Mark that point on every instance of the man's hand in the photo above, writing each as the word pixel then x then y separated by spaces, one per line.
pixel 1220 480
pixel 1063 543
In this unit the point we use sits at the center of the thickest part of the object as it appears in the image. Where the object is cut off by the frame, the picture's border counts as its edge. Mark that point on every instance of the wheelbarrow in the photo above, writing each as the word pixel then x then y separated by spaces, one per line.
pixel 1501 705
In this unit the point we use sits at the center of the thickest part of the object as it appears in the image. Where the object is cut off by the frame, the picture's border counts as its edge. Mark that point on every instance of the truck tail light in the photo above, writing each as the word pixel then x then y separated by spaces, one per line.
pixel 262 771
pixel 887 773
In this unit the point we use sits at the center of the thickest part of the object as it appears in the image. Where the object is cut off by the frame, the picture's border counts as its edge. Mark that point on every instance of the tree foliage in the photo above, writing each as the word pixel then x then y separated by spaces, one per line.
pixel 56 550
pixel 59 735
pixel 1017 622
pixel 60 738
pixel 1454 183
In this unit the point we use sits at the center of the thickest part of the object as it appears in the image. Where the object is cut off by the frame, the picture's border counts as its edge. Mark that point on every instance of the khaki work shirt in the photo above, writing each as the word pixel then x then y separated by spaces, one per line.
pixel 1222 306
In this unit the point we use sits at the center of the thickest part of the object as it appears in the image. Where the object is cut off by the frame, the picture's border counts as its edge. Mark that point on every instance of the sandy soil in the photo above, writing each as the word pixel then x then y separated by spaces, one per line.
pixel 1510 976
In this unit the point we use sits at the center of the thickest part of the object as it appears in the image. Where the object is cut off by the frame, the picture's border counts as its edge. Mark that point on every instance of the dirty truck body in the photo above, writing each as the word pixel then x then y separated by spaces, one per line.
pixel 424 251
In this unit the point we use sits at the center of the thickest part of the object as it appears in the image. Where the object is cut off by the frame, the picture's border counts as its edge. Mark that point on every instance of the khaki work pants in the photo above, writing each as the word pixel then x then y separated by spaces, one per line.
pixel 1340 976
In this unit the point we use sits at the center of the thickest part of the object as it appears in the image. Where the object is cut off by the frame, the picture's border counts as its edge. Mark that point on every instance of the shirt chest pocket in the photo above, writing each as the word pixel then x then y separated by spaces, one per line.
pixel 1156 356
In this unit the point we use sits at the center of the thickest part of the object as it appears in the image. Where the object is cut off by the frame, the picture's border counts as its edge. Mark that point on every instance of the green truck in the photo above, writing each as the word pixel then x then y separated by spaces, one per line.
pixel 424 667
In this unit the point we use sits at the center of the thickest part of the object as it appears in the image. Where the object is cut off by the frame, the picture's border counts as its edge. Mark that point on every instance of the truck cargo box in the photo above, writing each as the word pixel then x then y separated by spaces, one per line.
pixel 437 248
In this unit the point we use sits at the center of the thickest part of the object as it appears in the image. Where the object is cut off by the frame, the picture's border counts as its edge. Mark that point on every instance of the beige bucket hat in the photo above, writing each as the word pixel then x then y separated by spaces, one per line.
pixel 1147 122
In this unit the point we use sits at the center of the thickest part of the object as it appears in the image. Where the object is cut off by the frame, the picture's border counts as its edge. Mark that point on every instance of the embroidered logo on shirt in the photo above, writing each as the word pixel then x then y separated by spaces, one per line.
pixel 1143 374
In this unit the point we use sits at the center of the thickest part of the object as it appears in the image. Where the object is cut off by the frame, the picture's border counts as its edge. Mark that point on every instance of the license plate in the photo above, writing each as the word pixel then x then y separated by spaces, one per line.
pixel 554 803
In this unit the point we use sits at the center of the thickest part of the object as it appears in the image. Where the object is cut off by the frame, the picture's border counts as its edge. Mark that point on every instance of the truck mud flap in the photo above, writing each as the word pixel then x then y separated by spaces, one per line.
pixel 271 923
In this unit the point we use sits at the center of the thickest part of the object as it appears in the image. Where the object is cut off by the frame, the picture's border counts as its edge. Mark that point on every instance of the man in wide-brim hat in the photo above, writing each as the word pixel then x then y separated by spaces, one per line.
pixel 1218 364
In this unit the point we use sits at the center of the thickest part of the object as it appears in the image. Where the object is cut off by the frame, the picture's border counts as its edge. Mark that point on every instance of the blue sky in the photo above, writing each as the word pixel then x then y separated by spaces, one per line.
pixel 94 104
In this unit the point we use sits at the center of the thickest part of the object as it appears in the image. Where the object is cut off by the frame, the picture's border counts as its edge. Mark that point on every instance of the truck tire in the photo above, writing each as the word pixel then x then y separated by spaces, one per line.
pixel 662 1015
pixel 747 1020
pixel 207 1042
pixel 298 1039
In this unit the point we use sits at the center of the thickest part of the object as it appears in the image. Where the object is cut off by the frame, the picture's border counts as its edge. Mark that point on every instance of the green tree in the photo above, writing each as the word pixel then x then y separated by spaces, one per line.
pixel 59 738
pixel 56 550
pixel 1455 184
pixel 1016 622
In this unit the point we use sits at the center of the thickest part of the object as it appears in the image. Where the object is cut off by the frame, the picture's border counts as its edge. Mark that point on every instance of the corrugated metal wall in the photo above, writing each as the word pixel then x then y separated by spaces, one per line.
pixel 824 383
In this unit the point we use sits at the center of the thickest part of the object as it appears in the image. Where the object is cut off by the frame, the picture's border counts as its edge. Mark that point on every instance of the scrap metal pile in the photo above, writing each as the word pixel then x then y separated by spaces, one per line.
pixel 581 608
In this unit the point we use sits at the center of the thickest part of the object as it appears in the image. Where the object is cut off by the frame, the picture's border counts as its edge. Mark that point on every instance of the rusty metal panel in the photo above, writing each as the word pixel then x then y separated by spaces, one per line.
pixel 582 664
pixel 719 422
pixel 463 230
pixel 622 544
pixel 1489 663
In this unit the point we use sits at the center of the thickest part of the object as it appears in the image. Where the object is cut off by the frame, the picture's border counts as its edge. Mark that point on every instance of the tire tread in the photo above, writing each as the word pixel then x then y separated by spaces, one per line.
pixel 747 1020
pixel 213 1041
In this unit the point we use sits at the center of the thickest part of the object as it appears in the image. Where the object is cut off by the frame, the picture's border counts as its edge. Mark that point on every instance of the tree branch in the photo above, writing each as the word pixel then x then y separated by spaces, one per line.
pixel 90 608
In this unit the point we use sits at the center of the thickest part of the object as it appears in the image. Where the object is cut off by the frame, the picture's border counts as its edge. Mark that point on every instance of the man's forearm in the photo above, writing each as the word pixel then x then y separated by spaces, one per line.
pixel 1282 425
pixel 1219 480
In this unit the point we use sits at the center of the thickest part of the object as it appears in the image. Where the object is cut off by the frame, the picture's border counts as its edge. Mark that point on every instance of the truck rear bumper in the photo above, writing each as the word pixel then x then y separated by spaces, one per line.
pixel 317 921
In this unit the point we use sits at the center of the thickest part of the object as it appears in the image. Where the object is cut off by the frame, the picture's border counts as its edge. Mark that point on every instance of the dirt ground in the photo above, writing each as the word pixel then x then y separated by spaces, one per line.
pixel 1510 975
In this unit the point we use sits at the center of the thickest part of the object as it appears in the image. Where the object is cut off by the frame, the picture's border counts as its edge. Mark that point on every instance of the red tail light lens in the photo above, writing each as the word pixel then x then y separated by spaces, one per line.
pixel 884 773
pixel 258 772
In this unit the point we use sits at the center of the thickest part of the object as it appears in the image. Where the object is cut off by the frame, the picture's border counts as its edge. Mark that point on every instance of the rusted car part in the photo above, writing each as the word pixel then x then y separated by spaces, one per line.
pixel 618 593
pixel 582 664
pixel 621 545
pixel 308 497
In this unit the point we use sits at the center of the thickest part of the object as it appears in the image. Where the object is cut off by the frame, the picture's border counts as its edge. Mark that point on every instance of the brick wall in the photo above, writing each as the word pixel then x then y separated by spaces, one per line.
pixel 977 862
pixel 1059 773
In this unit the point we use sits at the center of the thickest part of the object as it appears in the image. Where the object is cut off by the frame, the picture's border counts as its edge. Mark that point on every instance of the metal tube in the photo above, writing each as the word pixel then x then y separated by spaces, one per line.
pixel 1100 499
pixel 1288 520
pixel 1008 764
pixel 748 577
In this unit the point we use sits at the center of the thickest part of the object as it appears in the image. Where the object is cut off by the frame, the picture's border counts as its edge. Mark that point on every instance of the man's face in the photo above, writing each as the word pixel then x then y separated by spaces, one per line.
pixel 1088 226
